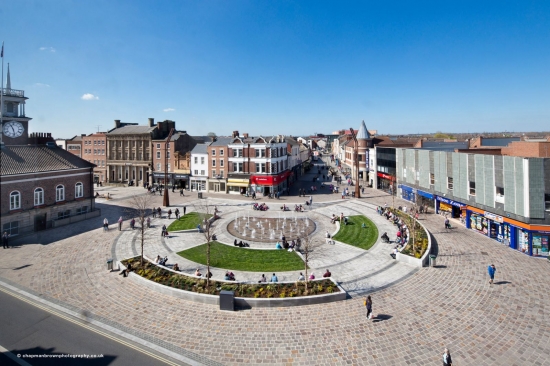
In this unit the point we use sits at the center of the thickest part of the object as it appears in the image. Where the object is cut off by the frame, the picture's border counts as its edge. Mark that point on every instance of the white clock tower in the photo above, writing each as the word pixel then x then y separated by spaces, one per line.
pixel 15 125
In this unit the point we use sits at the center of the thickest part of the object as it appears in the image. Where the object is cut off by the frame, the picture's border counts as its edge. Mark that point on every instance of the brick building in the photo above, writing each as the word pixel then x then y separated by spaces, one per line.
pixel 74 145
pixel 129 150
pixel 177 159
pixel 94 150
pixel 43 187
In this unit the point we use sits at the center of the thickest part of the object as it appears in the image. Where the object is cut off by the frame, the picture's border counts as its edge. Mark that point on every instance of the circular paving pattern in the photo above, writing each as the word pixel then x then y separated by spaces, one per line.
pixel 271 229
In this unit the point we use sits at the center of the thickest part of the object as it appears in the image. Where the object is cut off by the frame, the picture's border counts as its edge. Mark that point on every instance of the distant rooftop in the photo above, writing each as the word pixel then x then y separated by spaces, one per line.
pixel 444 146
pixel 498 141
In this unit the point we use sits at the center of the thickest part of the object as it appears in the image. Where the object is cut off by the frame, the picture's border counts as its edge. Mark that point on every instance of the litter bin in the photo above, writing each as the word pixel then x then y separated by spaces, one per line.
pixel 227 300
pixel 432 260
pixel 110 264
pixel 200 194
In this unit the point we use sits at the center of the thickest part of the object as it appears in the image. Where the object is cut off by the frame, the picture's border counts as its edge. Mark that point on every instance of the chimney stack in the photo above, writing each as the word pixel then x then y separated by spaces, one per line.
pixel 235 134
pixel 117 123
pixel 245 135
pixel 151 122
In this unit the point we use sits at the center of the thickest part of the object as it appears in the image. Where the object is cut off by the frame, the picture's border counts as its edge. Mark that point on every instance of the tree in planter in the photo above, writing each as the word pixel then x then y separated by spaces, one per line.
pixel 206 213
pixel 139 206
pixel 310 248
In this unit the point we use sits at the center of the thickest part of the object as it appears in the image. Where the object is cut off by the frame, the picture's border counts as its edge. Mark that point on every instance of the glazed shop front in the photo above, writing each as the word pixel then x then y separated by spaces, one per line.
pixel 453 208
pixel 269 184
pixel 529 239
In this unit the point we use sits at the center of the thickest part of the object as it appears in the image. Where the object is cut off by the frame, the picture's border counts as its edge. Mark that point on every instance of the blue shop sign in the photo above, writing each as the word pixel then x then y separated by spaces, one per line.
pixel 450 202
pixel 407 189
pixel 425 194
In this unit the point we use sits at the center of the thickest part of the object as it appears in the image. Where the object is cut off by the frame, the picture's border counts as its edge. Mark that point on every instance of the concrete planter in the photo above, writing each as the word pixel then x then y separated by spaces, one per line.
pixel 418 262
pixel 243 302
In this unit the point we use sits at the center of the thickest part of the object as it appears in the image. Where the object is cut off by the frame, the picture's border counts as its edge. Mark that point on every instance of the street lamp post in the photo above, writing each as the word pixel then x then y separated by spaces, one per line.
pixel 356 163
pixel 166 198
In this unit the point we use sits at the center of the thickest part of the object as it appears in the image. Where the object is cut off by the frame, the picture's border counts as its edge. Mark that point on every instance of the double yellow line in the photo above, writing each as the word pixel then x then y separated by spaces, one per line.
pixel 93 329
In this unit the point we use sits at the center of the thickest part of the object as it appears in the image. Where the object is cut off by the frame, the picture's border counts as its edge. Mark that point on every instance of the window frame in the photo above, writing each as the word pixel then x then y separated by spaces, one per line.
pixel 59 193
pixel 15 200
pixel 471 190
pixel 450 183
pixel 39 190
pixel 79 190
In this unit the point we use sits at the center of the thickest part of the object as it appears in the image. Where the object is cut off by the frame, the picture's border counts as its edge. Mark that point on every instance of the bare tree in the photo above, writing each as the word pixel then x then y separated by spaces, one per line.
pixel 139 206
pixel 207 214
pixel 310 248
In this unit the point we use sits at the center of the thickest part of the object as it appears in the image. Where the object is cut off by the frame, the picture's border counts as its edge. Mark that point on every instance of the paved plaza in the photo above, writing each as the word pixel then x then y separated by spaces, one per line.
pixel 418 312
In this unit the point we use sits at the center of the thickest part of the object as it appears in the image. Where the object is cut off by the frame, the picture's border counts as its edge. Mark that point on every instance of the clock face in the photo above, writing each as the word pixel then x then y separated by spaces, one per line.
pixel 13 129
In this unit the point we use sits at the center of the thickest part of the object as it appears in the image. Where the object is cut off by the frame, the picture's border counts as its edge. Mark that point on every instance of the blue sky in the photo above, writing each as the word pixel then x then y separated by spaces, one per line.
pixel 281 67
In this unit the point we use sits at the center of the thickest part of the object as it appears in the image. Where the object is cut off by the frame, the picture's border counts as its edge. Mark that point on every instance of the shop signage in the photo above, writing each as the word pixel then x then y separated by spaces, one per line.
pixel 450 202
pixel 406 188
pixel 493 217
pixel 181 176
pixel 159 175
pixel 425 194
pixel 385 176
pixel 268 180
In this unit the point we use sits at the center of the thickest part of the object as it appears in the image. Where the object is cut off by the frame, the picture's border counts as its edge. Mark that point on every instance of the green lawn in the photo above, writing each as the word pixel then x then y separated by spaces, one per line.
pixel 187 222
pixel 244 259
pixel 354 234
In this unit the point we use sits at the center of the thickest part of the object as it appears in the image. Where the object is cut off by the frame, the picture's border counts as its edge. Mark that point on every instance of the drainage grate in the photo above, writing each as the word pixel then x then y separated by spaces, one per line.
pixel 484 253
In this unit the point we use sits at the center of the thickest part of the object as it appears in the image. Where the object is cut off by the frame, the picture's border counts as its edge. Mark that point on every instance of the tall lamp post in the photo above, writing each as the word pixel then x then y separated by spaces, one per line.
pixel 166 198
pixel 356 163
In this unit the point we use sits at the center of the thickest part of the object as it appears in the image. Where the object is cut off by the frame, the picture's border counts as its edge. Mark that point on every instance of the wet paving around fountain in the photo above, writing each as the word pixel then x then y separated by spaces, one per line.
pixel 270 229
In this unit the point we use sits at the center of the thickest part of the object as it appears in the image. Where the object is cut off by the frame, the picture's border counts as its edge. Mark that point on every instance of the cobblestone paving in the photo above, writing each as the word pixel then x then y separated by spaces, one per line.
pixel 452 305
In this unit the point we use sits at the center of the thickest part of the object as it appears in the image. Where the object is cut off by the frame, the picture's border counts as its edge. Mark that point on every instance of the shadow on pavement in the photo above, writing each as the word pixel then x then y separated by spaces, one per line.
pixel 381 317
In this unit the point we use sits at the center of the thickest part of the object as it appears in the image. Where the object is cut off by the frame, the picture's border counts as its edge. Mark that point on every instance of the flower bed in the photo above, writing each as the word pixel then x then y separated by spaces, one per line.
pixel 421 236
pixel 180 281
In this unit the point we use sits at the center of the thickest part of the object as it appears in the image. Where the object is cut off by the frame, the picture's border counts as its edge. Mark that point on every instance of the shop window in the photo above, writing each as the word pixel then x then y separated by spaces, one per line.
pixel 432 179
pixel 38 196
pixel 450 183
pixel 540 245
pixel 12 228
pixel 79 190
pixel 15 200
pixel 64 214
pixel 472 188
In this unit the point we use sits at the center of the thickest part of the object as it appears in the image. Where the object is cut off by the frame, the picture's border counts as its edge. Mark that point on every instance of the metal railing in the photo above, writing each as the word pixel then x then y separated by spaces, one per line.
pixel 13 92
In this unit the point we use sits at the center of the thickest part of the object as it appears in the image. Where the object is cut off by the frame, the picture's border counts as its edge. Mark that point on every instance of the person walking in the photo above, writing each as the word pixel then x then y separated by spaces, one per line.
pixel 5 237
pixel 105 224
pixel 310 200
pixel 177 213
pixel 120 223
pixel 154 212
pixel 447 361
pixel 181 192
pixel 368 305
pixel 133 223
pixel 491 270
pixel 159 212
pixel 184 209
pixel 169 213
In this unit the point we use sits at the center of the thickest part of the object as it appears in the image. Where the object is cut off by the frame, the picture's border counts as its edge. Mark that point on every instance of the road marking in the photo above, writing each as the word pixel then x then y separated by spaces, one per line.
pixel 168 362
pixel 14 358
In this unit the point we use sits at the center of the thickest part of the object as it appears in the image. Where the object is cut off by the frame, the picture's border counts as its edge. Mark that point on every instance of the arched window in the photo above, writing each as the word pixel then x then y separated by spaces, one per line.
pixel 78 190
pixel 15 200
pixel 38 196
pixel 60 193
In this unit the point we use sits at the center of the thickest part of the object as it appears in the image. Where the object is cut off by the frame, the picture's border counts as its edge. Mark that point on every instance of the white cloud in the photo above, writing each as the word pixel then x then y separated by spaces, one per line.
pixel 89 96
pixel 51 49
pixel 168 109
pixel 41 85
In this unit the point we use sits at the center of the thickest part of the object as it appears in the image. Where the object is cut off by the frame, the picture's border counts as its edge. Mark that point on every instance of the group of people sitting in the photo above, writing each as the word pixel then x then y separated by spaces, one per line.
pixel 298 208
pixel 240 244
pixel 263 279
pixel 161 261
pixel 260 207
pixel 284 208
pixel 229 276
pixel 343 219
pixel 199 274
pixel 288 245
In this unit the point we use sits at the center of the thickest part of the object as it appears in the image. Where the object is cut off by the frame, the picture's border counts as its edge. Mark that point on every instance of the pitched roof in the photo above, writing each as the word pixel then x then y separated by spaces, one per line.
pixel 132 130
pixel 222 141
pixel 199 149
pixel 38 158
pixel 363 133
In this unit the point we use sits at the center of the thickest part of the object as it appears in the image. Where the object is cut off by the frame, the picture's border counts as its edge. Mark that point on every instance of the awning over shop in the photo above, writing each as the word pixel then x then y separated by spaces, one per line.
pixel 425 194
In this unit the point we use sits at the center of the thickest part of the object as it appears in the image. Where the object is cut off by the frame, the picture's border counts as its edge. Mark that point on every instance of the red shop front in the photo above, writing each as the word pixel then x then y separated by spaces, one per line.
pixel 266 184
